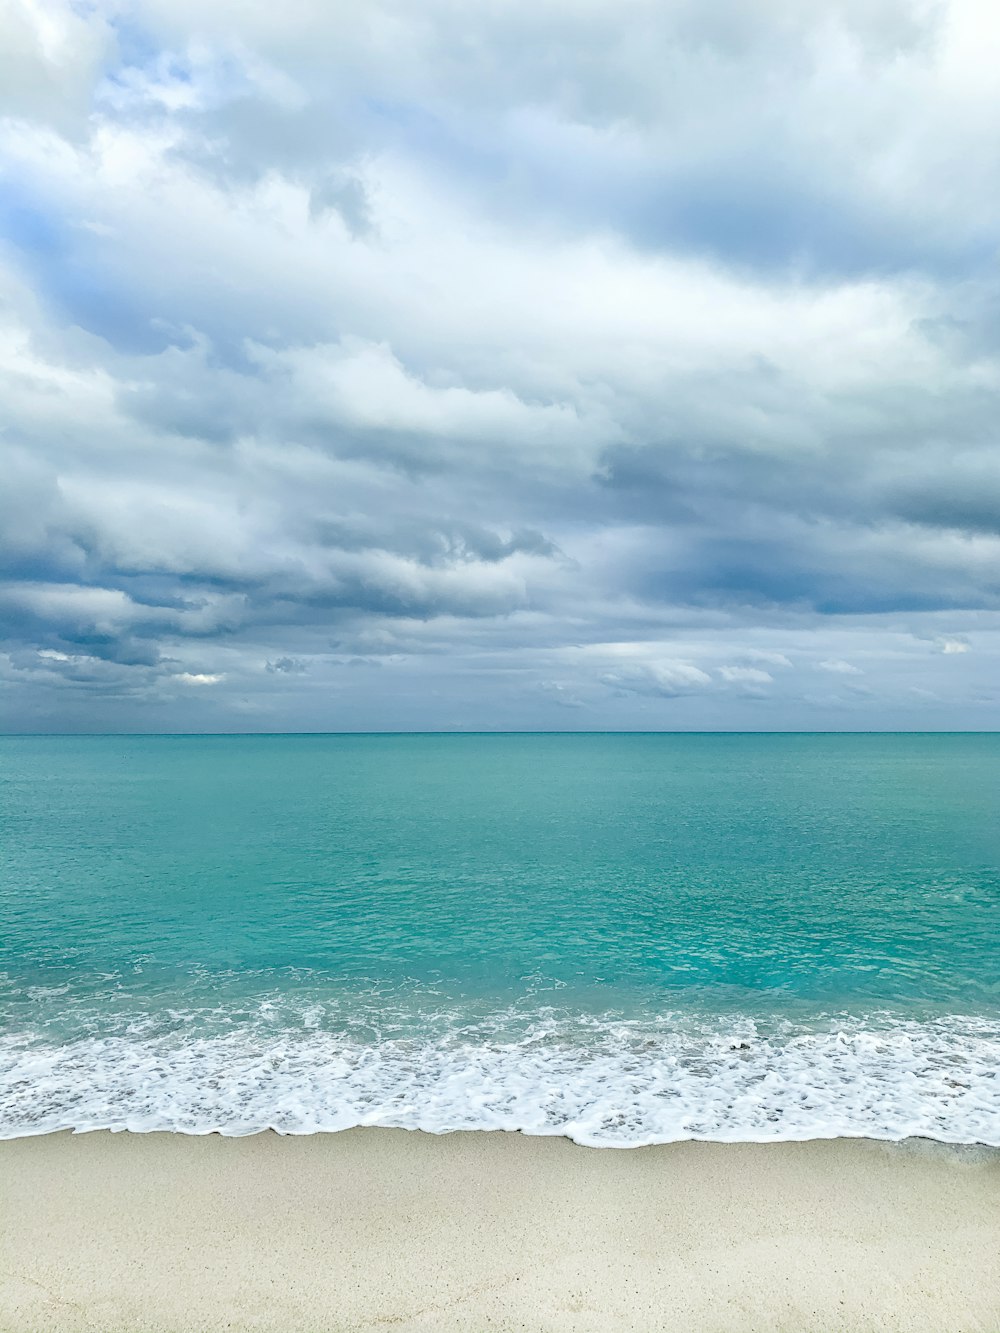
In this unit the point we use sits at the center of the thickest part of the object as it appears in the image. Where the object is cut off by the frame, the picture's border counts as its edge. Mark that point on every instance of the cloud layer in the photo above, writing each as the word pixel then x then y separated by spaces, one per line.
pixel 536 365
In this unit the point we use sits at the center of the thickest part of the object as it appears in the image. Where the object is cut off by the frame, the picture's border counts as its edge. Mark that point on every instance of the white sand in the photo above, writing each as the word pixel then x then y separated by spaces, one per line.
pixel 383 1229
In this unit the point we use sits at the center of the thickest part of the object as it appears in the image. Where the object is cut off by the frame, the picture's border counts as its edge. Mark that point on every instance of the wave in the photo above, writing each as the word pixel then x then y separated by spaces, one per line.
pixel 600 1081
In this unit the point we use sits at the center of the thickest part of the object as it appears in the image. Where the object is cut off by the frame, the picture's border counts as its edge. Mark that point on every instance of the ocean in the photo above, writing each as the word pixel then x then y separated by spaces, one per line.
pixel 624 939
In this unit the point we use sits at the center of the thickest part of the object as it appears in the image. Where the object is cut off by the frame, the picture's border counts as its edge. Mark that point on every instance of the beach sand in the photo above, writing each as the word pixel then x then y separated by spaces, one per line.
pixel 388 1229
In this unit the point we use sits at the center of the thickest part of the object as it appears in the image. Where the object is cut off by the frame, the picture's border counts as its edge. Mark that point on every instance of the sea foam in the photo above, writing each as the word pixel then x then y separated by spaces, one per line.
pixel 605 1082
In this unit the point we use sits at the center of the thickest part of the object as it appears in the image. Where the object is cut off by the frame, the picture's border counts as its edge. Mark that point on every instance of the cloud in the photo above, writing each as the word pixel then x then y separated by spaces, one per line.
pixel 571 355
pixel 770 658
pixel 664 679
pixel 287 666
pixel 745 675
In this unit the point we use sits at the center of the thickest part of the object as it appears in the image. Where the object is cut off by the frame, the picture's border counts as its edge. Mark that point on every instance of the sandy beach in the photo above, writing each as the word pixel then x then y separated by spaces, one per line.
pixel 376 1228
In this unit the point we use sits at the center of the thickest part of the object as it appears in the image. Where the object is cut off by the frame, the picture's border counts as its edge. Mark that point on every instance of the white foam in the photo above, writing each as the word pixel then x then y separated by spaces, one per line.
pixel 608 1083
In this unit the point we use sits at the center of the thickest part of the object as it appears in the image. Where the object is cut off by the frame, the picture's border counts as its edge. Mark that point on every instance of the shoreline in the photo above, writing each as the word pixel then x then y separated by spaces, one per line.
pixel 383 1228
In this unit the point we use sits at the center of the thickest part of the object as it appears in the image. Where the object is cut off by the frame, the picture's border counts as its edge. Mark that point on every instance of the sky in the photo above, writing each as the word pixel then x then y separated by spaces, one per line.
pixel 544 364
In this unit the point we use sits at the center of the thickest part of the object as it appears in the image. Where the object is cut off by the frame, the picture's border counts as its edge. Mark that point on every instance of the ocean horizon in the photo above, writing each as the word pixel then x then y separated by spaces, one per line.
pixel 620 937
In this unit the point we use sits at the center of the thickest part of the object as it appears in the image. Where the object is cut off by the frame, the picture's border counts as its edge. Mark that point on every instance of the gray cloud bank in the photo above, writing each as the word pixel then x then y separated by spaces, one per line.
pixel 540 365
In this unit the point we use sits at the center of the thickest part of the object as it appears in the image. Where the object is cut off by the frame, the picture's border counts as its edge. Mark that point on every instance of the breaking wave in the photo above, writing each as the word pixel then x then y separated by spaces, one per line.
pixel 600 1080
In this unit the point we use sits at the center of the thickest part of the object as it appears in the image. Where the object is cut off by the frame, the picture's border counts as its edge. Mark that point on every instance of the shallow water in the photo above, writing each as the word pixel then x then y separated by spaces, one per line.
pixel 624 938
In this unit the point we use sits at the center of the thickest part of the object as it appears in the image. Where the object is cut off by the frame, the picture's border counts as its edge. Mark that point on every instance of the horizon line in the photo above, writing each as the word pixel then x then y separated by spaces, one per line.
pixel 512 731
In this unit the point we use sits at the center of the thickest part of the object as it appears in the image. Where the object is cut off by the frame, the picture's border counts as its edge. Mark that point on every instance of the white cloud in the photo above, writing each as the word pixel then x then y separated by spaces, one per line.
pixel 770 657
pixel 663 678
pixel 52 54
pixel 745 675
pixel 97 608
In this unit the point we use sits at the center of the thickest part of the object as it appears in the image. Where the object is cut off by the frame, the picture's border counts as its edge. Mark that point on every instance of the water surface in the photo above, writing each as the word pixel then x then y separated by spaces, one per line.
pixel 627 938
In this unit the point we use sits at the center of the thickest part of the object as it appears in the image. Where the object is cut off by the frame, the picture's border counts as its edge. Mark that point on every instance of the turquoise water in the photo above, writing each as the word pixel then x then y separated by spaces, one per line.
pixel 626 938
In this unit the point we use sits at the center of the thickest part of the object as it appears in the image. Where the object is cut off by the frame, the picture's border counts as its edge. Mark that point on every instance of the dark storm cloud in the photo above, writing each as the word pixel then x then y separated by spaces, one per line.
pixel 572 365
